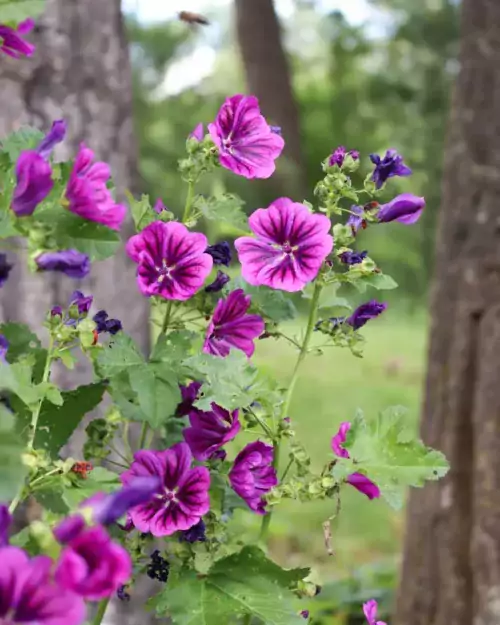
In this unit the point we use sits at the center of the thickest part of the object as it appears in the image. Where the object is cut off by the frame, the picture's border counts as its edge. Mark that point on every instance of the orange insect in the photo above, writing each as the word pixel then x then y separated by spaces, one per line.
pixel 82 469
pixel 193 18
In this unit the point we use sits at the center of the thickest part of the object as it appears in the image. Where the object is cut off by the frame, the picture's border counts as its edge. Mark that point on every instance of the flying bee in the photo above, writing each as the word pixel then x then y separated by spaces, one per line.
pixel 193 18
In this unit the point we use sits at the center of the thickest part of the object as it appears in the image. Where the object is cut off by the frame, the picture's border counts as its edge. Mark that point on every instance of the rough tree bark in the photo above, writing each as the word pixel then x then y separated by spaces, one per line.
pixel 451 569
pixel 268 75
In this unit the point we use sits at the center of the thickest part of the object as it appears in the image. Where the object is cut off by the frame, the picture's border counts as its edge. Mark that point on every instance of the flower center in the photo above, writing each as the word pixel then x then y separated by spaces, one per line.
pixel 164 271
pixel 289 249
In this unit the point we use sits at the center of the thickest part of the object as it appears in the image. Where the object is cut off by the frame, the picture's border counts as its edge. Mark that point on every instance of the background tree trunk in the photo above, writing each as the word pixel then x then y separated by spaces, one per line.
pixel 451 570
pixel 268 76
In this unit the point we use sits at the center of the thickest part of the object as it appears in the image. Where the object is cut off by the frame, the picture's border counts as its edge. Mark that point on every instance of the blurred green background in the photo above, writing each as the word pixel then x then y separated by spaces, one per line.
pixel 369 75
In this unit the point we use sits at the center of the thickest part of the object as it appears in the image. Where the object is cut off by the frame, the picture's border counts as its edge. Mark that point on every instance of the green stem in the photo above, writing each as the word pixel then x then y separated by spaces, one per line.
pixel 263 425
pixel 285 472
pixel 266 519
pixel 166 319
pixel 101 610
pixel 247 619
pixel 144 431
pixel 189 202
pixel 36 413
pixel 16 501
pixel 126 440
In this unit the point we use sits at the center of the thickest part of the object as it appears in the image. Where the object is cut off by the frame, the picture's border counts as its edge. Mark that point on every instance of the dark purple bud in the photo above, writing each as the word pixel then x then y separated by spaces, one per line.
pixel 220 252
pixel 388 167
pixel 83 302
pixel 220 454
pixel 56 311
pixel 33 183
pixel 197 132
pixel 122 594
pixel 356 219
pixel 5 268
pixel 304 614
pixel 109 508
pixel 189 395
pixel 219 283
pixel 69 528
pixel 5 520
pixel 113 326
pixel 55 135
pixel 100 320
pixel 158 568
pixel 70 262
pixel 338 156
pixel 353 258
pixel 159 206
pixel 276 130
pixel 4 346
pixel 194 534
pixel 405 208
pixel 364 313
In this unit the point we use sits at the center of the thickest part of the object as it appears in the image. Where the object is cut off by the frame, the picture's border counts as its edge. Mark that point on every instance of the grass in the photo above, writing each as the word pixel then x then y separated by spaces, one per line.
pixel 330 389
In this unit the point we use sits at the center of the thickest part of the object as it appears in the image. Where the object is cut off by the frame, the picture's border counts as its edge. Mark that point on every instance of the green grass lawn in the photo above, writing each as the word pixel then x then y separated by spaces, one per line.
pixel 330 389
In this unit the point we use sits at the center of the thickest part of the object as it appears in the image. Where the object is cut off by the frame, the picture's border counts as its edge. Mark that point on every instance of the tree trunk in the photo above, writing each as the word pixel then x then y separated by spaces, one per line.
pixel 268 77
pixel 451 569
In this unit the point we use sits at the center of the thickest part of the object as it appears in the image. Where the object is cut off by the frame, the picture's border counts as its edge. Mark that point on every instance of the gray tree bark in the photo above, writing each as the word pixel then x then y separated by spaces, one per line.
pixel 451 569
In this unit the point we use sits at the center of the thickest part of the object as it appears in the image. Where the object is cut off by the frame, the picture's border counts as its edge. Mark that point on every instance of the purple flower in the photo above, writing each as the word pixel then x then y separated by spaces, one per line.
pixel 92 565
pixel 253 475
pixel 356 220
pixel 290 247
pixel 339 154
pixel 172 262
pixel 197 132
pixel 189 395
pixel 56 311
pixel 183 497
pixel 88 194
pixel 195 534
pixel 122 594
pixel 364 313
pixel 5 520
pixel 304 614
pixel 113 326
pixel 405 208
pixel 247 145
pixel 219 283
pixel 276 130
pixel 33 183
pixel 4 346
pixel 29 596
pixel 70 262
pixel 55 135
pixel 353 258
pixel 370 609
pixel 211 430
pixel 5 268
pixel 159 206
pixel 220 252
pixel 231 327
pixel 12 42
pixel 388 167
pixel 358 480
pixel 83 302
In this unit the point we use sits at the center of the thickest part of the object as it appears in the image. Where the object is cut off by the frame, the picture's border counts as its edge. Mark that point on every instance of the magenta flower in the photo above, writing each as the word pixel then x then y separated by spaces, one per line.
pixel 197 132
pixel 92 565
pixel 210 431
pixel 33 183
pixel 231 327
pixel 29 596
pixel 70 262
pixel 189 395
pixel 172 262
pixel 358 480
pixel 339 154
pixel 182 498
pixel 290 247
pixel 55 135
pixel 88 194
pixel 12 42
pixel 253 475
pixel 370 609
pixel 405 208
pixel 247 145
pixel 159 206
pixel 5 520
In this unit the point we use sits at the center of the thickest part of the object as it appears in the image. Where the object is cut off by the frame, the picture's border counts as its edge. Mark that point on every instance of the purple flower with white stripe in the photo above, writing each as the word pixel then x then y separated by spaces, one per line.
pixel 55 135
pixel 211 430
pixel 391 165
pixel 356 219
pixel 70 262
pixel 405 208
pixel 253 475
pixel 33 183
pixel 172 262
pixel 231 326
pixel 290 246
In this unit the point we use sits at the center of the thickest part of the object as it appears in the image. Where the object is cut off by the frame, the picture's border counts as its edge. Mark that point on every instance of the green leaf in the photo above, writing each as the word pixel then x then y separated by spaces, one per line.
pixel 229 382
pixel 226 208
pixel 57 423
pixel 12 470
pixel 142 212
pixel 173 348
pixel 26 137
pixel 7 221
pixel 88 237
pixel 379 281
pixel 21 339
pixel 272 304
pixel 245 583
pixel 157 392
pixel 387 452
pixel 17 378
pixel 121 355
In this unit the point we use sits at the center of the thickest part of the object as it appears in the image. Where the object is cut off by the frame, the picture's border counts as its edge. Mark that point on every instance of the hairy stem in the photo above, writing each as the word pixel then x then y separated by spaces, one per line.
pixel 166 319
pixel 144 432
pixel 313 309
pixel 36 413
pixel 101 610
pixel 189 202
